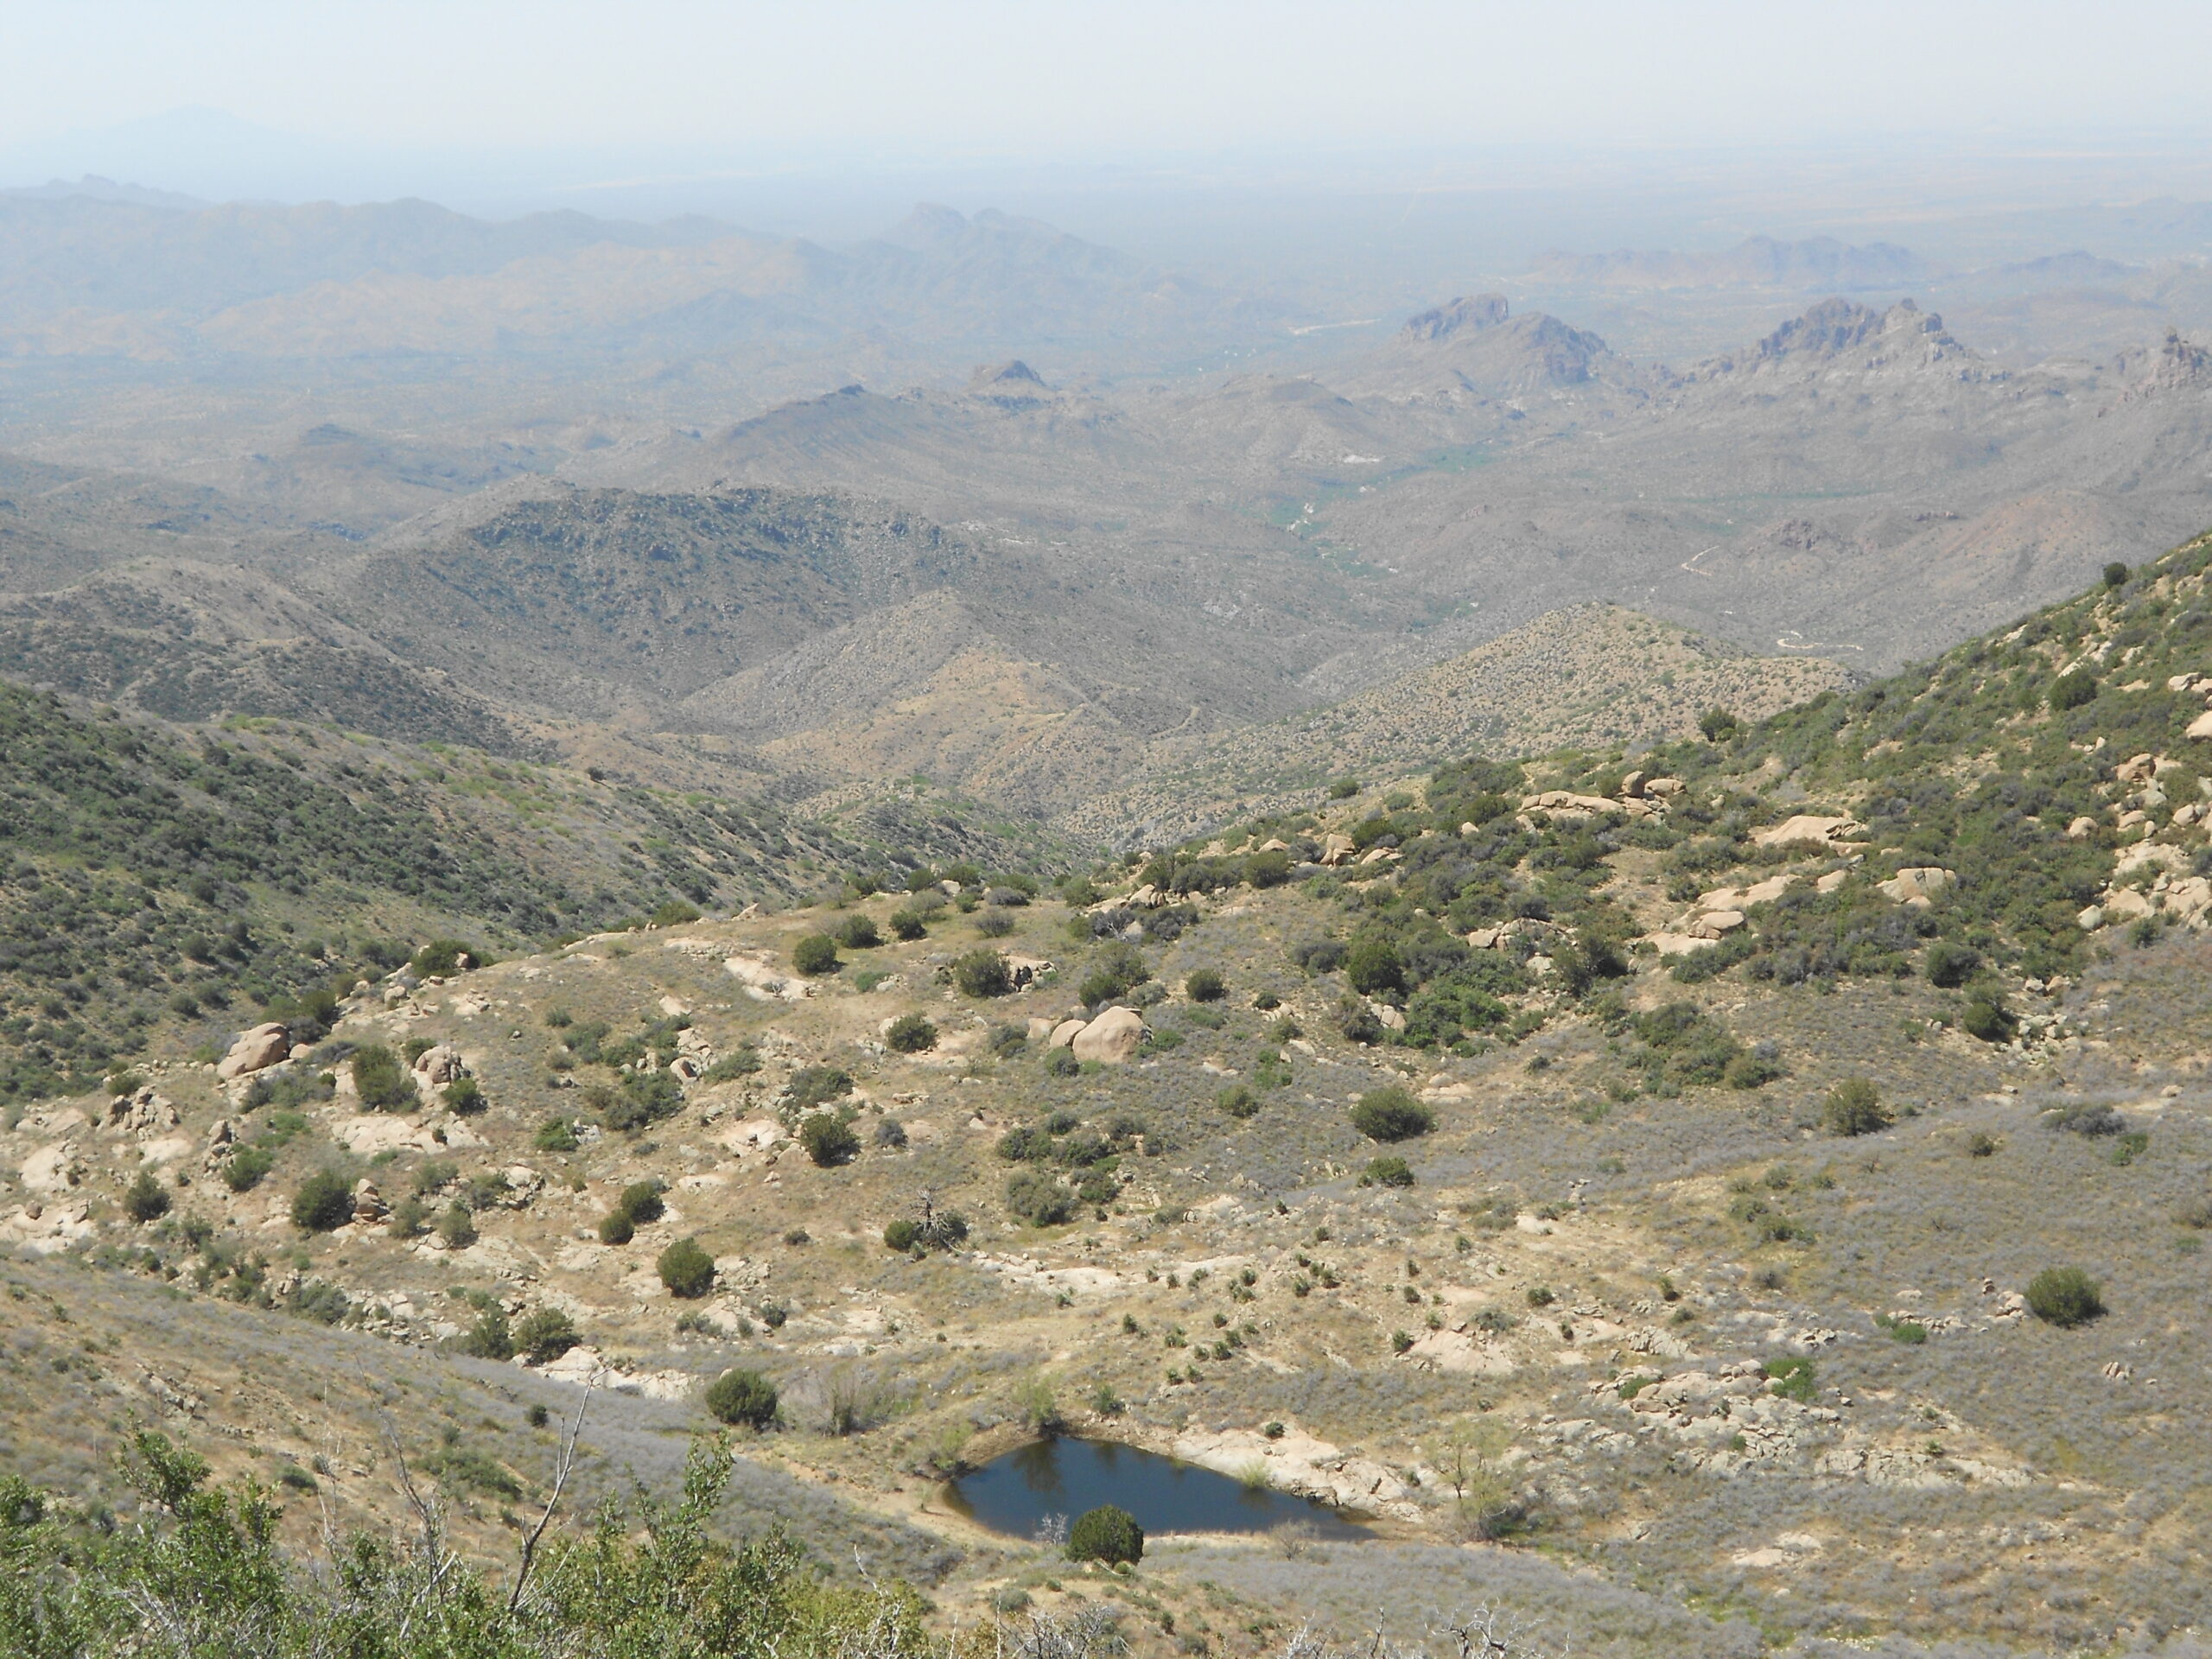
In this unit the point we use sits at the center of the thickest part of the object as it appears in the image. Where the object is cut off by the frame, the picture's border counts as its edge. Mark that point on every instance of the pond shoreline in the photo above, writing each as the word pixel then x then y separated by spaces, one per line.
pixel 1298 1465
pixel 1017 1479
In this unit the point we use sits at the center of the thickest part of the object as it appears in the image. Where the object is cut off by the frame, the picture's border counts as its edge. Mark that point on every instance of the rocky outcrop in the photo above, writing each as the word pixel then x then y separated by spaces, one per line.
pixel 255 1051
pixel 1111 1040
pixel 1805 828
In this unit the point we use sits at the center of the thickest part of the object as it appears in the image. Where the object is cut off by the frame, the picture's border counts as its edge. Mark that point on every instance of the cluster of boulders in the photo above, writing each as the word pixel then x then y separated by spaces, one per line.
pixel 1111 1038
pixel 2152 878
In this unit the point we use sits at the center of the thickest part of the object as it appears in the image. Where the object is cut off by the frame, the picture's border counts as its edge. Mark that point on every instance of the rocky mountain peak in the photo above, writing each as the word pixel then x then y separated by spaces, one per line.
pixel 1468 312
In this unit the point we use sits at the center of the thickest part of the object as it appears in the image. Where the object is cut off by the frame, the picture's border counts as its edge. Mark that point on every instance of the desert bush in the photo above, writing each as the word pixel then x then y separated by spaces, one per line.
pixel 1269 869
pixel 381 1081
pixel 1238 1101
pixel 1988 1018
pixel 1388 1172
pixel 908 924
pixel 464 1096
pixel 146 1199
pixel 324 1203
pixel 857 932
pixel 902 1235
pixel 2090 1118
pixel 1950 964
pixel 982 972
pixel 457 1226
pixel 1854 1107
pixel 1373 968
pixel 1391 1113
pixel 828 1139
pixel 1037 1198
pixel 545 1334
pixel 642 1099
pixel 642 1202
pixel 2065 1297
pixel 1106 1533
pixel 993 922
pixel 488 1336
pixel 815 955
pixel 811 1085
pixel 1205 986
pixel 741 1061
pixel 616 1226
pixel 1318 956
pixel 1793 1378
pixel 555 1135
pixel 2072 691
pixel 742 1399
pixel 911 1033
pixel 686 1269
pixel 441 958
pixel 1754 1069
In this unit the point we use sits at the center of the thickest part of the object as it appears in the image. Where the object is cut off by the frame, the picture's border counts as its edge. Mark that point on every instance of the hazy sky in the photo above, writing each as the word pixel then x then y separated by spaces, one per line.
pixel 1045 80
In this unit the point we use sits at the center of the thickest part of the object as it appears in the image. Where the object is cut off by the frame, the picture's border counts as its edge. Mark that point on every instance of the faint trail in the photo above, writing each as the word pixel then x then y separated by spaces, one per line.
pixel 1690 563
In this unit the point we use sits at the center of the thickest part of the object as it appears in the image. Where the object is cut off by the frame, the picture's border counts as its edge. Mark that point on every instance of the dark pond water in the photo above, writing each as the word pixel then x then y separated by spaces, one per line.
pixel 1019 1492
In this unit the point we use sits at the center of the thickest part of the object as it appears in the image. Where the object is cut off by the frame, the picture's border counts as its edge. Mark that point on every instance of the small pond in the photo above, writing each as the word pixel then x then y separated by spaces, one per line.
pixel 1020 1491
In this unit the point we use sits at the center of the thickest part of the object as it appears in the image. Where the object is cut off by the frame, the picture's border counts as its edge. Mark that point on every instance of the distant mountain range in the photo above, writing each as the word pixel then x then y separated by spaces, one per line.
pixel 1819 262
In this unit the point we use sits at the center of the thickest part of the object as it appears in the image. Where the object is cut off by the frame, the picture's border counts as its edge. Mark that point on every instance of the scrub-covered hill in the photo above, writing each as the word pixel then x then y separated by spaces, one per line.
pixel 1744 1190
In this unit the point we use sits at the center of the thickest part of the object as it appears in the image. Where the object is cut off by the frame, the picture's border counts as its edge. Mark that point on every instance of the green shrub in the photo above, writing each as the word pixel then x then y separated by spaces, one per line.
pixel 489 1337
pixel 642 1202
pixel 686 1269
pixel 1793 1378
pixel 1391 1114
pixel 2115 574
pixel 440 958
pixel 815 955
pixel 1950 964
pixel 812 1085
pixel 993 923
pixel 1037 1197
pixel 324 1203
pixel 1718 725
pixel 1373 968
pixel 1269 869
pixel 1854 1107
pixel 616 1226
pixel 464 1097
pixel 644 1098
pixel 1344 789
pixel 673 912
pixel 1205 986
pixel 1388 1172
pixel 1990 1020
pixel 982 972
pixel 828 1139
pixel 857 932
pixel 1238 1101
pixel 911 1033
pixel 246 1165
pixel 741 1061
pixel 555 1135
pixel 545 1334
pixel 902 1235
pixel 457 1227
pixel 2072 691
pixel 381 1081
pixel 742 1399
pixel 909 923
pixel 146 1199
pixel 2065 1297
pixel 1752 1070
pixel 1106 1533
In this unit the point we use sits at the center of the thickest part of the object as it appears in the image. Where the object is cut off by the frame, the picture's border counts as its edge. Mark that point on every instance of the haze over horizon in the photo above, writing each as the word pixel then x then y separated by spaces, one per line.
pixel 817 120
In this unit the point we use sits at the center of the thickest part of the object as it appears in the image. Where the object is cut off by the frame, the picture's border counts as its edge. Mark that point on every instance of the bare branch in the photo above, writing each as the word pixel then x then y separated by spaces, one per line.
pixel 571 1436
